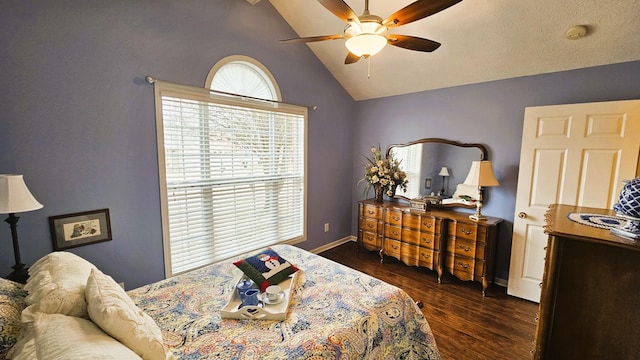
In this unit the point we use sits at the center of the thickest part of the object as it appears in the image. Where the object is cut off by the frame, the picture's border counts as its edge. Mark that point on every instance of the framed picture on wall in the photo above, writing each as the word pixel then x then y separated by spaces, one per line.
pixel 77 229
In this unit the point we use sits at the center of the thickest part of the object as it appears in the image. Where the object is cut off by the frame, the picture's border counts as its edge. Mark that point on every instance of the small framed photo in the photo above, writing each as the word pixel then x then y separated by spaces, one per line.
pixel 83 228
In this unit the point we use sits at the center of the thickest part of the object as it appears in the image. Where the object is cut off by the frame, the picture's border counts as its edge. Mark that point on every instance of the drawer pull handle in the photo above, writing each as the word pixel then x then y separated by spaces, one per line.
pixel 426 256
pixel 396 218
pixel 428 241
pixel 369 226
pixel 395 247
pixel 465 249
pixel 428 225
pixel 370 212
pixel 463 265
pixel 466 232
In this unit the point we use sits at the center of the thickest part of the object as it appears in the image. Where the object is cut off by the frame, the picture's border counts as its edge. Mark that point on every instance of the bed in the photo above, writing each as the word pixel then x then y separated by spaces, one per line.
pixel 334 312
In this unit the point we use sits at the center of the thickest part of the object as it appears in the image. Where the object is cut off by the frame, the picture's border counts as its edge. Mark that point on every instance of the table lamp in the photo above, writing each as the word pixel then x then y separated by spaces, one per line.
pixel 480 175
pixel 444 172
pixel 16 198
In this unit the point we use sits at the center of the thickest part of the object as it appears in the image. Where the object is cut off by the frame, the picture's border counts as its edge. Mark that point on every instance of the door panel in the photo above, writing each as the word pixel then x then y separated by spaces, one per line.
pixel 599 169
pixel 548 169
pixel 575 154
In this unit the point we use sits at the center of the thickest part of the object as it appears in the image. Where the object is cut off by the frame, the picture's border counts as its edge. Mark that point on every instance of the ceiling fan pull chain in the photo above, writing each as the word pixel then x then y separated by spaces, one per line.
pixel 368 67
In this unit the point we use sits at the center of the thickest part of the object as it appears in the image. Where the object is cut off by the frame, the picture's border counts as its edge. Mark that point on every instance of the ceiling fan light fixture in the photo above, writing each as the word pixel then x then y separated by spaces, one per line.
pixel 366 39
pixel 366 44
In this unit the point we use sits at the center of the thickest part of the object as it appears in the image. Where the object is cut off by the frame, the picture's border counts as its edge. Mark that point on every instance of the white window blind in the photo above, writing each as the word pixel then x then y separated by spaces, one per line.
pixel 234 174
pixel 412 165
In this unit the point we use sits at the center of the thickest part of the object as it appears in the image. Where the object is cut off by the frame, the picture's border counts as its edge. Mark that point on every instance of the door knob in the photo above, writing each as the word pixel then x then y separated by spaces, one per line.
pixel 522 215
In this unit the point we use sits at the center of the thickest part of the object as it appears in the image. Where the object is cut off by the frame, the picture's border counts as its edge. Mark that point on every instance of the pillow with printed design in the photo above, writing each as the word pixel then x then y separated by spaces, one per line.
pixel 266 268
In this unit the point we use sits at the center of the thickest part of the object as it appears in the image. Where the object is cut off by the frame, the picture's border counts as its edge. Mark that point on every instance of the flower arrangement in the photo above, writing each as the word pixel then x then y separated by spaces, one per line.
pixel 383 174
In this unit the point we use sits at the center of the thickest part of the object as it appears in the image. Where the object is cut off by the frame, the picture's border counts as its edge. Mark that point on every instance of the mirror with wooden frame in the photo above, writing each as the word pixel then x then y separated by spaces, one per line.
pixel 425 161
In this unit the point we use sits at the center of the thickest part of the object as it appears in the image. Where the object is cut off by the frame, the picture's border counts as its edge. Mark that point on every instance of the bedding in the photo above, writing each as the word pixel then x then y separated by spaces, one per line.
pixel 334 312
pixel 12 302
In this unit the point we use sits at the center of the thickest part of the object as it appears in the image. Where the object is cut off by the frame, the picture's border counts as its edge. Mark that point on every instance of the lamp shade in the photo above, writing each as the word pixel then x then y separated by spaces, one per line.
pixel 444 171
pixel 481 174
pixel 14 195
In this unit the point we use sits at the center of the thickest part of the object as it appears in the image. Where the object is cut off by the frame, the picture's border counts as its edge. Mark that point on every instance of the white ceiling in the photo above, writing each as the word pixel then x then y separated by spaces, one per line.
pixel 482 40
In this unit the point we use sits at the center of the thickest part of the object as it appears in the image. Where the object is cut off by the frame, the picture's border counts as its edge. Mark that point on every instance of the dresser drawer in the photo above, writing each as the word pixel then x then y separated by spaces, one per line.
pixel 421 239
pixel 393 217
pixel 411 220
pixel 372 211
pixel 429 241
pixel 428 258
pixel 468 248
pixel 392 248
pixel 410 236
pixel 368 224
pixel 465 268
pixel 430 224
pixel 393 232
pixel 469 231
pixel 420 222
pixel 371 240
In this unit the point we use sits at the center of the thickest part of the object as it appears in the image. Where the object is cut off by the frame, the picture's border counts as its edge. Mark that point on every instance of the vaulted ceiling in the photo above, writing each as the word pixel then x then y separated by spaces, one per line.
pixel 482 40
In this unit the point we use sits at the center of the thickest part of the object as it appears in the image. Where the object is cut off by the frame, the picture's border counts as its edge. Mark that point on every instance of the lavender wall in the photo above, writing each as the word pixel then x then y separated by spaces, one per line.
pixel 78 119
pixel 490 113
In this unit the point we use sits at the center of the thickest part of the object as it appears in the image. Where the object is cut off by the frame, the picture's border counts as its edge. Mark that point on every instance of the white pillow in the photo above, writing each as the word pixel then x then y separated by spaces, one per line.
pixel 112 309
pixel 25 346
pixel 56 286
pixel 61 337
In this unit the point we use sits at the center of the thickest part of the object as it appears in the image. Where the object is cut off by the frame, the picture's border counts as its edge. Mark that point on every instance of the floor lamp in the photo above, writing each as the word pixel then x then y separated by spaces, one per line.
pixel 480 175
pixel 16 198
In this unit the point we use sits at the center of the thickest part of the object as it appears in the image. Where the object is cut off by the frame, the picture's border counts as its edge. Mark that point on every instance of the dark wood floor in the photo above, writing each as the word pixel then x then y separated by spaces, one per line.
pixel 466 325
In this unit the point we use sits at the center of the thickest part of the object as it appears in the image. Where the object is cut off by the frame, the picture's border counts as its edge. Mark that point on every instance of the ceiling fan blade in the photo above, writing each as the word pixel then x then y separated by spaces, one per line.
pixel 351 58
pixel 340 9
pixel 413 43
pixel 313 38
pixel 417 10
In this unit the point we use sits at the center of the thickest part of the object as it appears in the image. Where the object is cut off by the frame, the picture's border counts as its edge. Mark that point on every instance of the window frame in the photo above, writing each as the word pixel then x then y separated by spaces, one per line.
pixel 163 88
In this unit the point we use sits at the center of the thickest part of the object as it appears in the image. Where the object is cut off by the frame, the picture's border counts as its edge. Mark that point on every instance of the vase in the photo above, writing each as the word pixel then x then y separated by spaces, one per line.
pixel 378 193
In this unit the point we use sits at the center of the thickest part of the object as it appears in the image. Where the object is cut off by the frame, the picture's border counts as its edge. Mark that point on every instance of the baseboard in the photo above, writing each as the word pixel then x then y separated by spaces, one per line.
pixel 331 245
pixel 501 282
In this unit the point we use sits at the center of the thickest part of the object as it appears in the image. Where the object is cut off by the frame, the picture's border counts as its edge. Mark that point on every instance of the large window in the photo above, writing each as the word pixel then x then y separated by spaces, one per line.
pixel 232 173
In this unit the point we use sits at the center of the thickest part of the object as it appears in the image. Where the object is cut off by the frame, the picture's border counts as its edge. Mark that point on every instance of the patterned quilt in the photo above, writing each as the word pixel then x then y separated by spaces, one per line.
pixel 335 313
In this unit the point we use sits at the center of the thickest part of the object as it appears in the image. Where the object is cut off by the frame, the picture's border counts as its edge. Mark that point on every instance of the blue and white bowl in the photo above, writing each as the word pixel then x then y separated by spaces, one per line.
pixel 629 201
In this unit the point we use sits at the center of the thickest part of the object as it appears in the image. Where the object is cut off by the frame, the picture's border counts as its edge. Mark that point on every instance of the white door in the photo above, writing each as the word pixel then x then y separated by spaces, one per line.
pixel 574 154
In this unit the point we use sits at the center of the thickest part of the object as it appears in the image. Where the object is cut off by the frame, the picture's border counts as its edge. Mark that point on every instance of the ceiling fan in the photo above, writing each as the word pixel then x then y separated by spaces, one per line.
pixel 367 34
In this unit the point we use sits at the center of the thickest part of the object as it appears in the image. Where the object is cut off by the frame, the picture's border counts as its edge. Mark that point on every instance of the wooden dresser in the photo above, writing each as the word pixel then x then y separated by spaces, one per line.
pixel 437 239
pixel 590 301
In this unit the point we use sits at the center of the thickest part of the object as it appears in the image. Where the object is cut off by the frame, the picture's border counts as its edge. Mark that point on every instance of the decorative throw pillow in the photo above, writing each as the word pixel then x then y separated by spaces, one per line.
pixel 266 268
pixel 112 309
pixel 56 285
pixel 12 302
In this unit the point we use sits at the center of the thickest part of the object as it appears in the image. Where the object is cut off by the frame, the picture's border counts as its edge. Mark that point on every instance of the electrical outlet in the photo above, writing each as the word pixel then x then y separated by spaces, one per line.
pixel 326 227
pixel 427 183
